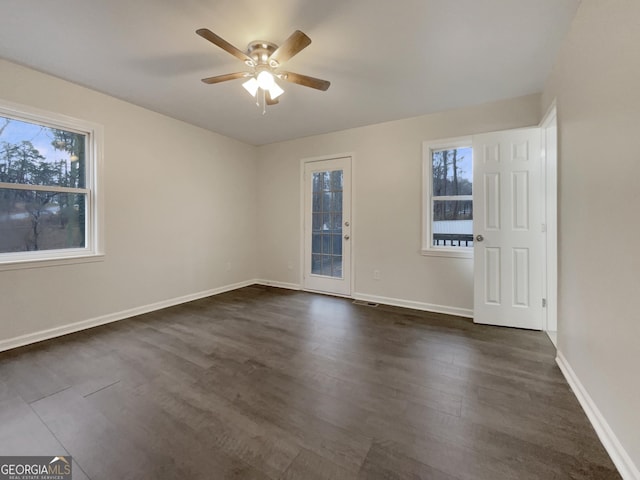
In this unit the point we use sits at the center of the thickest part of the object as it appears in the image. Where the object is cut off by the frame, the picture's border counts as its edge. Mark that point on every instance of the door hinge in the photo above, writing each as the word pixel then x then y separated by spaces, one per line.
pixel 544 303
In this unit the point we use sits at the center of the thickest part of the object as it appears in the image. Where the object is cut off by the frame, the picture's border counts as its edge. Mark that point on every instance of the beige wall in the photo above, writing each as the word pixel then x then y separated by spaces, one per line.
pixel 597 84
pixel 387 202
pixel 180 204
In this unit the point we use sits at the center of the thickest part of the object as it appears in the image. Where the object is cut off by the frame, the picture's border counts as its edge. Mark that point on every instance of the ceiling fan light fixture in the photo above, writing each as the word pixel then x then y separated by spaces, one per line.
pixel 275 91
pixel 265 80
pixel 251 86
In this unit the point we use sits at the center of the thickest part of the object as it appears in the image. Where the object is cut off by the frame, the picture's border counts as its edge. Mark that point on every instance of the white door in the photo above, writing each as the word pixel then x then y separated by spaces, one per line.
pixel 327 226
pixel 508 241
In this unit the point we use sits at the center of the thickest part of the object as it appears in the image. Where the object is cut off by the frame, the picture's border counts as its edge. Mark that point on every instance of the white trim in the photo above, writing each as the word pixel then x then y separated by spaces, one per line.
pixel 114 317
pixel 550 116
pixel 429 146
pixel 329 294
pixel 549 167
pixel 396 302
pixel 623 462
pixel 463 252
pixel 273 283
pixel 426 307
pixel 64 258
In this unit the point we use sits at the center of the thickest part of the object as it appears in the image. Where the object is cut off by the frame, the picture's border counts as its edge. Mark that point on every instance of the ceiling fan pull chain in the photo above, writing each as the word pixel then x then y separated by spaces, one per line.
pixel 264 102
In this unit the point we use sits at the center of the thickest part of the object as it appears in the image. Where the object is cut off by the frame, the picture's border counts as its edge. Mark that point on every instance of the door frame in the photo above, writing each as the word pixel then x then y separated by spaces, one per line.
pixel 354 228
pixel 550 219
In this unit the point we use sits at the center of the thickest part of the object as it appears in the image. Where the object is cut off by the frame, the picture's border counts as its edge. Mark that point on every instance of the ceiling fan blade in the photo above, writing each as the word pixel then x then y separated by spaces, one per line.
pixel 224 78
pixel 296 42
pixel 226 46
pixel 269 100
pixel 312 82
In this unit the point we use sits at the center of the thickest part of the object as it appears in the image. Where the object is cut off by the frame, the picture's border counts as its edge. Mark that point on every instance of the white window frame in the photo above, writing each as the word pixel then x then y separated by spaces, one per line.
pixel 428 147
pixel 94 220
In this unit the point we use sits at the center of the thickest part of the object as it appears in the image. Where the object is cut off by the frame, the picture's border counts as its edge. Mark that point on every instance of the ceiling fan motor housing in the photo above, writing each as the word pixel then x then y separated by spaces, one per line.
pixel 260 51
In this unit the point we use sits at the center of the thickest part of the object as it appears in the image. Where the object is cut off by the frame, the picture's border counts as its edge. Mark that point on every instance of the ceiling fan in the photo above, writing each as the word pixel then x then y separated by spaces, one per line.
pixel 265 60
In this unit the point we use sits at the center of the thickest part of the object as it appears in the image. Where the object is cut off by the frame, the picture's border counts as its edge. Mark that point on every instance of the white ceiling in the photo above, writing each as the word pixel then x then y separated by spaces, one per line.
pixel 385 59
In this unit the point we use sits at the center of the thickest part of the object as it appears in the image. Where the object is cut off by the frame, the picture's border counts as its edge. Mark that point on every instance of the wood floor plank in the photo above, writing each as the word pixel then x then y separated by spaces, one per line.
pixel 276 384
pixel 309 466
pixel 23 433
pixel 387 464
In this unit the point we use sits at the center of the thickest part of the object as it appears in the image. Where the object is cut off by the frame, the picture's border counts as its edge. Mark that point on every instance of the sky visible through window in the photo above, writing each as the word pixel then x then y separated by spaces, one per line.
pixel 464 164
pixel 40 137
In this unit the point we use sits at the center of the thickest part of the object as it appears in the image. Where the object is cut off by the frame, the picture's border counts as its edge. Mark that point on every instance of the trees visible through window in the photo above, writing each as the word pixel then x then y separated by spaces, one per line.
pixel 45 189
pixel 448 197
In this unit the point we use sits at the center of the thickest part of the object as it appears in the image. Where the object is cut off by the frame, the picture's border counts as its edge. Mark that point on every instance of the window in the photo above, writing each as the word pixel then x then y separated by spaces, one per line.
pixel 49 208
pixel 447 198
pixel 326 208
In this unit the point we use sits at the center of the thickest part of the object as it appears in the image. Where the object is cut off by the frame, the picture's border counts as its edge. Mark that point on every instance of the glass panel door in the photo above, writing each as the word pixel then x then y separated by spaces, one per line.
pixel 327 228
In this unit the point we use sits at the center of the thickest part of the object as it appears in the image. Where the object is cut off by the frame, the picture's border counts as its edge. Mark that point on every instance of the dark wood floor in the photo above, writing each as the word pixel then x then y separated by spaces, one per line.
pixel 274 384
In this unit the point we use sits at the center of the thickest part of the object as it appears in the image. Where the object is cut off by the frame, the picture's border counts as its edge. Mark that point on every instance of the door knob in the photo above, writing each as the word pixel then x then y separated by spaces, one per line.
pixel 479 238
pixel 346 224
pixel 346 237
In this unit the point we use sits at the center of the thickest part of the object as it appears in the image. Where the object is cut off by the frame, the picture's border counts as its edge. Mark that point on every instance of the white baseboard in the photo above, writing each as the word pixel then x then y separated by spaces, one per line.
pixel 623 462
pixel 35 337
pixel 427 307
pixel 113 317
pixel 273 283
pixel 396 302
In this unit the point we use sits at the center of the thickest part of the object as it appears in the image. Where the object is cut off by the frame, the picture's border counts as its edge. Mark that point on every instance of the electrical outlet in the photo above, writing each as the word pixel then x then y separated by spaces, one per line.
pixel 376 274
pixel 228 266
pixel 290 265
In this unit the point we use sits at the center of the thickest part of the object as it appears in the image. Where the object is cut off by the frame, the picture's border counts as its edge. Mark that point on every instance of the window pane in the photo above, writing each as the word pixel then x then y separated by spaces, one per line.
pixel 316 226
pixel 452 223
pixel 326 244
pixel 326 240
pixel 337 244
pixel 316 264
pixel 35 154
pixel 336 222
pixel 326 202
pixel 452 172
pixel 321 182
pixel 336 266
pixel 326 265
pixel 316 243
pixel 337 201
pixel 457 210
pixel 326 221
pixel 336 180
pixel 34 220
pixel 326 181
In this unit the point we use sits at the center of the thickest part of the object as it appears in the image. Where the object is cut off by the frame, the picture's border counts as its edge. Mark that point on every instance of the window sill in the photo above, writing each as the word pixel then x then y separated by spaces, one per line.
pixel 28 263
pixel 432 252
